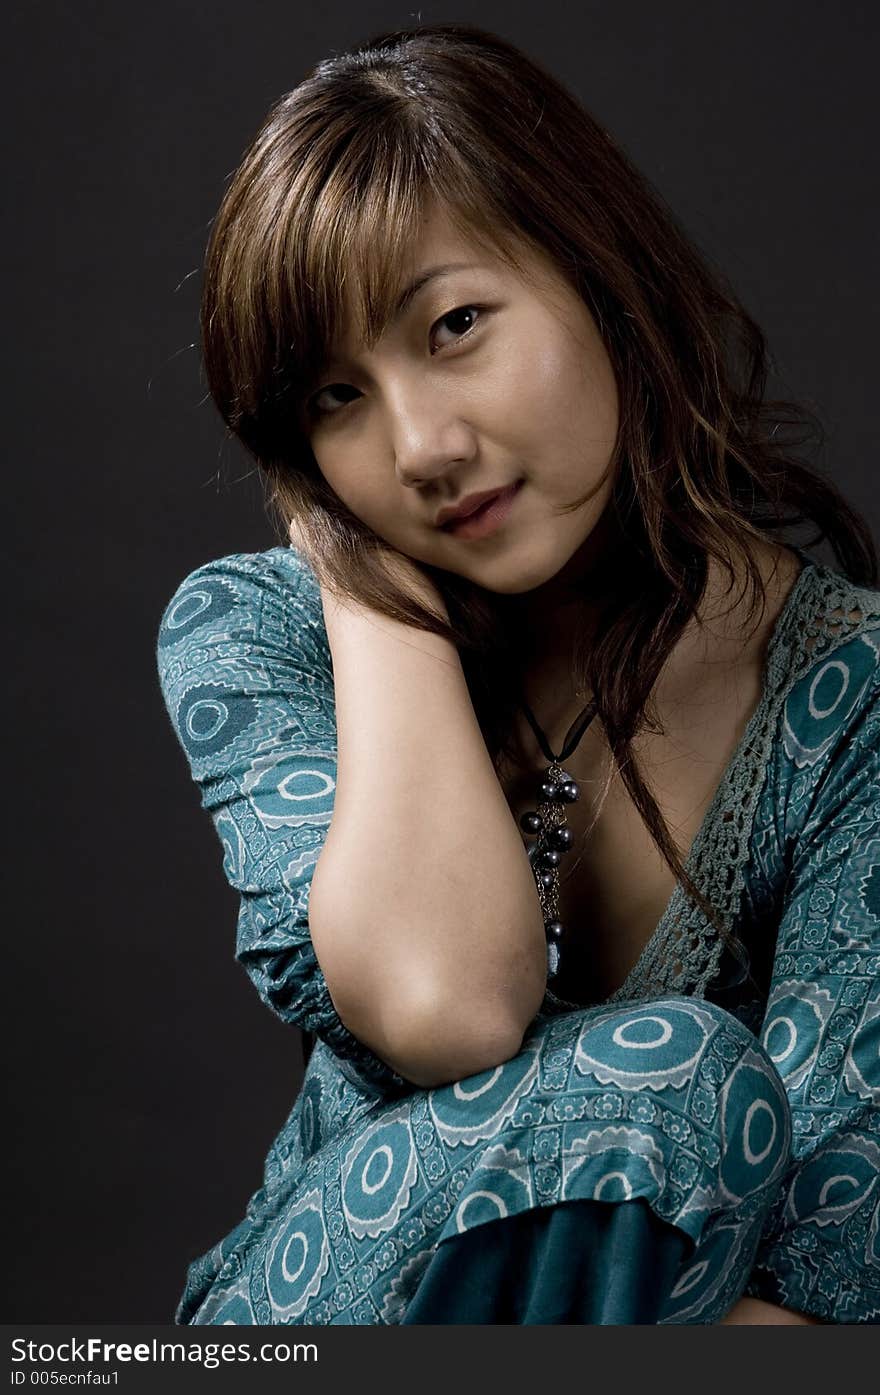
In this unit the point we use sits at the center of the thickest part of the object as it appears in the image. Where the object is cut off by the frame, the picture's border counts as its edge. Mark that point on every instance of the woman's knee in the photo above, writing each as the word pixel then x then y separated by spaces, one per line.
pixel 702 1064
pixel 672 1100
pixel 676 1063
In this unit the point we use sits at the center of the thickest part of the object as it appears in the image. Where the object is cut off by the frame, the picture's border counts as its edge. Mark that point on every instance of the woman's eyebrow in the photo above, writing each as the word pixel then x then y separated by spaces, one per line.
pixel 429 274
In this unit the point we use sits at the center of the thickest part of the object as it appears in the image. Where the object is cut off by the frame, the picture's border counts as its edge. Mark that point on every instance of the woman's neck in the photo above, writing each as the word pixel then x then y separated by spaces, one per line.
pixel 556 617
pixel 550 618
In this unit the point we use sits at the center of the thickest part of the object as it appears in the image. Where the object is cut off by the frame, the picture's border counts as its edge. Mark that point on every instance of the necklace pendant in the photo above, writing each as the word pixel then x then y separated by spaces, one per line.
pixel 548 825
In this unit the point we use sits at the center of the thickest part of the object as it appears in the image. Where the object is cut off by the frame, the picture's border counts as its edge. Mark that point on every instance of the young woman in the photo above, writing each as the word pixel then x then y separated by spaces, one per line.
pixel 546 771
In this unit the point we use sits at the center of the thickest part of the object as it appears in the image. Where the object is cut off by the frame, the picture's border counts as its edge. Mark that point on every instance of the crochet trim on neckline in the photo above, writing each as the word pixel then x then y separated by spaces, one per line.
pixel 682 956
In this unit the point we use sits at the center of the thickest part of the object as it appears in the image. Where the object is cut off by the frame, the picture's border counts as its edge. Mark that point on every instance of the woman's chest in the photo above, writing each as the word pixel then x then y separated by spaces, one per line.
pixel 614 884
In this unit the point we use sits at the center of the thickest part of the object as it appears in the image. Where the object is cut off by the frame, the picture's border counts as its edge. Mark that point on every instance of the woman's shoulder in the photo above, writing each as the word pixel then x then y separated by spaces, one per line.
pixel 249 620
pixel 827 658
pixel 824 673
pixel 244 578
pixel 254 595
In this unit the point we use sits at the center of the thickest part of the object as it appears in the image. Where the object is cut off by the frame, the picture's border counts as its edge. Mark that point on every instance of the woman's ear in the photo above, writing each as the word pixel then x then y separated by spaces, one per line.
pixel 296 533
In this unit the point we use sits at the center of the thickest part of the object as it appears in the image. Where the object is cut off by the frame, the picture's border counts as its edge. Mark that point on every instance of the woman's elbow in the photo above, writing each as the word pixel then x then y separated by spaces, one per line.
pixel 435 1047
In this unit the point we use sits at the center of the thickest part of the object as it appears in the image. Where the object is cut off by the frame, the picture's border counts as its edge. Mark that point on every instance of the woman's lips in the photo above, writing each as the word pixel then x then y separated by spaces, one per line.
pixel 487 519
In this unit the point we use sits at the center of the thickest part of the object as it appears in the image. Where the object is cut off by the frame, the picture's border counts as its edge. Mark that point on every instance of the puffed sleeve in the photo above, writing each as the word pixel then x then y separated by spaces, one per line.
pixel 820 1254
pixel 246 674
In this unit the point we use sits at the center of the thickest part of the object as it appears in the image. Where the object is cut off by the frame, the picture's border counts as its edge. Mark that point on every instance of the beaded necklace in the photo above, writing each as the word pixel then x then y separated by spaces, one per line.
pixel 548 825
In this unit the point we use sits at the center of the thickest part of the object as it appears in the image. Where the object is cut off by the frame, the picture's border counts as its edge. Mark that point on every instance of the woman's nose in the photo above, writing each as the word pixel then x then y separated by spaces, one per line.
pixel 427 438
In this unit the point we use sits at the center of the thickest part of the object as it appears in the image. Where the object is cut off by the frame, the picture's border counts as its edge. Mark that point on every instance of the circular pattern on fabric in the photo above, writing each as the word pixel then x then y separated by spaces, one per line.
pixel 378 1175
pixel 288 798
pixel 476 1107
pixel 755 1127
pixel 480 1206
pixel 793 1027
pixel 827 687
pixel 690 1279
pixel 613 1186
pixel 862 1068
pixel 208 724
pixel 781 1026
pixel 835 1182
pixel 700 1281
pixel 298 1258
pixel 204 719
pixel 632 1048
pixel 820 703
pixel 498 1187
pixel 196 604
pixel 636 1032
pixel 611 1164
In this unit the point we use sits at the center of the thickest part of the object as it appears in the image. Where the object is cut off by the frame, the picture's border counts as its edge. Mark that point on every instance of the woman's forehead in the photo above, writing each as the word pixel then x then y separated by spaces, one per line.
pixel 375 290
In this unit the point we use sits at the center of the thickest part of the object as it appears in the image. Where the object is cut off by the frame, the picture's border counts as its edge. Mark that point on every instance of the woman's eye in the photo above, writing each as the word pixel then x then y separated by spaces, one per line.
pixel 461 321
pixel 457 317
pixel 318 409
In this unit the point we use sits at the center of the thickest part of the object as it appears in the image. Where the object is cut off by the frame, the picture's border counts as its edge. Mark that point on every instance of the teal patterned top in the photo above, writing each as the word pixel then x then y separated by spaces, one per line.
pixel 745 1116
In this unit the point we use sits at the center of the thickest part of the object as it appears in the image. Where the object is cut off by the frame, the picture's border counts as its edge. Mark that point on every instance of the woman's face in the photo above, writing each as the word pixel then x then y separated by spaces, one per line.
pixel 484 381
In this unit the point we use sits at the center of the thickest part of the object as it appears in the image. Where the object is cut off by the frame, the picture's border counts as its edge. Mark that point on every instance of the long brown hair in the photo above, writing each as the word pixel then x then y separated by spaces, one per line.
pixel 328 199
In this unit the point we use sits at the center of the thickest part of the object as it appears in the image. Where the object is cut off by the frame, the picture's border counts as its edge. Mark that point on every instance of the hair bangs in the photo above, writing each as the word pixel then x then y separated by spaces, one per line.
pixel 354 248
pixel 351 250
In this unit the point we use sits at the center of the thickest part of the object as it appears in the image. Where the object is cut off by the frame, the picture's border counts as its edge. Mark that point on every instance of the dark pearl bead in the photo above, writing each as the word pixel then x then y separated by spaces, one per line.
pixel 549 858
pixel 570 791
pixel 562 838
pixel 531 822
pixel 554 929
pixel 549 792
pixel 546 879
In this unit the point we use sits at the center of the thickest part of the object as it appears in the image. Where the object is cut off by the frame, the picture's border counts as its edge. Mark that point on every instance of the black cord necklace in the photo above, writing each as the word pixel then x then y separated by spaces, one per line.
pixel 548 825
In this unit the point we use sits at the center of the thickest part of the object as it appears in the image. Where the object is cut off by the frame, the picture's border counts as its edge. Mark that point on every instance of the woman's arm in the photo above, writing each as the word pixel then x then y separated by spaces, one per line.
pixel 821 1027
pixel 423 909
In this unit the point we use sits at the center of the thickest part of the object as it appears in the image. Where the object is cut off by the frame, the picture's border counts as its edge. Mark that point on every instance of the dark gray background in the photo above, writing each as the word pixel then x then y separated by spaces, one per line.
pixel 147 1080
